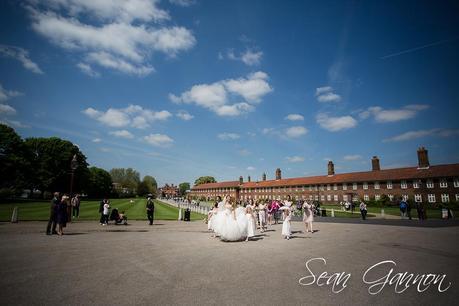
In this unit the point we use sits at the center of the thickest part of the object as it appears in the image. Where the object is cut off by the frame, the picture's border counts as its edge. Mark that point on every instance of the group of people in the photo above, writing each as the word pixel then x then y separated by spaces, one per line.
pixel 62 207
pixel 118 217
pixel 231 221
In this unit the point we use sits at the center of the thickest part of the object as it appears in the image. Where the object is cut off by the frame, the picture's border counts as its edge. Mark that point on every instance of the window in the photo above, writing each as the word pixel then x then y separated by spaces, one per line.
pixel 322 197
pixel 377 197
pixel 354 186
pixel 430 184
pixel 457 197
pixel 329 197
pixel 416 183
pixel 303 188
pixel 322 187
pixel 315 188
pixel 316 197
pixel 443 183
pixel 366 197
pixel 344 186
pixel 328 187
pixel 310 197
pixel 345 197
pixel 417 198
pixel 310 187
pixel 335 197
pixel 444 198
pixel 391 197
pixel 403 184
pixel 365 185
pixel 376 184
pixel 335 187
pixel 389 184
pixel 456 182
pixel 405 197
pixel 431 198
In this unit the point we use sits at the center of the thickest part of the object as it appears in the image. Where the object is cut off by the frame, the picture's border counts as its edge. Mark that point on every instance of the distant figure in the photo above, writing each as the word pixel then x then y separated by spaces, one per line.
pixel 76 206
pixel 403 207
pixel 101 210
pixel 62 214
pixel 363 210
pixel 106 212
pixel 419 209
pixel 150 209
pixel 286 232
pixel 52 215
pixel 408 209
pixel 308 216
pixel 251 222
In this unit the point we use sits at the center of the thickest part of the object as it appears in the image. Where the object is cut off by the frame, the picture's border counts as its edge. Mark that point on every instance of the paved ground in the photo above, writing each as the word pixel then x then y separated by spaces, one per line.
pixel 179 263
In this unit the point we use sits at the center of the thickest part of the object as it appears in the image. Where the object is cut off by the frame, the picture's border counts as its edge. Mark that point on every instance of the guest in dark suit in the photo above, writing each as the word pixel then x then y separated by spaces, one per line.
pixel 52 215
pixel 150 209
pixel 62 214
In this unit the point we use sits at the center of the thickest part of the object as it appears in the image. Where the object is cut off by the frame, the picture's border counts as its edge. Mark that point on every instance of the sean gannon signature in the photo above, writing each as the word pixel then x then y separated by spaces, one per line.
pixel 401 281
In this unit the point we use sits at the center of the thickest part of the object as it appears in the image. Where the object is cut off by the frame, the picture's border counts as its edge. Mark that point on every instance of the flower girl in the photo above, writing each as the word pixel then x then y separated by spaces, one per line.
pixel 251 222
pixel 286 224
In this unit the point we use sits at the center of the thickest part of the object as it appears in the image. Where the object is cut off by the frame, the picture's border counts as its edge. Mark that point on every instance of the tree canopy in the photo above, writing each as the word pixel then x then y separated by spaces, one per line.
pixel 126 178
pixel 183 187
pixel 204 180
pixel 100 183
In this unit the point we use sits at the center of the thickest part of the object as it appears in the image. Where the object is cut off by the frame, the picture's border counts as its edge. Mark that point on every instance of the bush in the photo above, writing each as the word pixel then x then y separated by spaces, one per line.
pixel 6 193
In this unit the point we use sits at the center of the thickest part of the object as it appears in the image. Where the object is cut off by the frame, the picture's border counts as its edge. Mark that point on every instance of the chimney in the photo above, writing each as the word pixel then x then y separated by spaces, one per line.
pixel 278 174
pixel 375 164
pixel 248 179
pixel 241 180
pixel 263 177
pixel 423 158
pixel 331 168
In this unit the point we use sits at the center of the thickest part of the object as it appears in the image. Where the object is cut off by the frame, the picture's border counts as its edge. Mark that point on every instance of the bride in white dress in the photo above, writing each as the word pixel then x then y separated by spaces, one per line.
pixel 230 223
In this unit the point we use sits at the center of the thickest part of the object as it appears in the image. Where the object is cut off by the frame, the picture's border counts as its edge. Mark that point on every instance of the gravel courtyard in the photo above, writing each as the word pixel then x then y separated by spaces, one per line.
pixel 179 263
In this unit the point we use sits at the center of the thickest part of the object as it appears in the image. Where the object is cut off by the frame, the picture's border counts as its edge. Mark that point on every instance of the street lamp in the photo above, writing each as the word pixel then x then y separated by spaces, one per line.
pixel 73 167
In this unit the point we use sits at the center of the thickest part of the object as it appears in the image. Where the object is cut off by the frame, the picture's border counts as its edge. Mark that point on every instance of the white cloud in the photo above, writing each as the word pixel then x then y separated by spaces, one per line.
pixel 250 168
pixel 215 97
pixel 249 57
pixel 183 3
pixel 7 110
pixel 13 123
pixel 184 115
pixel 120 37
pixel 244 152
pixel 8 94
pixel 87 69
pixel 159 140
pixel 392 115
pixel 295 131
pixel 21 55
pixel 96 140
pixel 251 134
pixel 295 159
pixel 325 94
pixel 134 115
pixel 295 117
pixel 334 124
pixel 122 134
pixel 444 133
pixel 228 136
pixel 352 157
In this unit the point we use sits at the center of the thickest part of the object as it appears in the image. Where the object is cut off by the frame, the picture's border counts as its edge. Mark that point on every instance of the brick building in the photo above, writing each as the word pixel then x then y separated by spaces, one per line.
pixel 424 183
pixel 169 191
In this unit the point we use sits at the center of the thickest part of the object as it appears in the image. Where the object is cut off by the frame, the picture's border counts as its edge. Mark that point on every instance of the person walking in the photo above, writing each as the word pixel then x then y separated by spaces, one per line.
pixel 402 207
pixel 106 212
pixel 101 210
pixel 308 216
pixel 51 228
pixel 150 210
pixel 76 206
pixel 363 210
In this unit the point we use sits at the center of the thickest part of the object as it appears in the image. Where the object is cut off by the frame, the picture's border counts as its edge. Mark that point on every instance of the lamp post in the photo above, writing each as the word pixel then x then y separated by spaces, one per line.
pixel 73 167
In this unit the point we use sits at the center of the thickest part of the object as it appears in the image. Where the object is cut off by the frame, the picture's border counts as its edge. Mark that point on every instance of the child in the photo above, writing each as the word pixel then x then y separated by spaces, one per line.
pixel 286 224
pixel 251 222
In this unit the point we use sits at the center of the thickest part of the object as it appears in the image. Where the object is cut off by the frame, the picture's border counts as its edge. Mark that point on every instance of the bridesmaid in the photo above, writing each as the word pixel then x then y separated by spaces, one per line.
pixel 286 231
pixel 270 210
pixel 308 216
pixel 262 215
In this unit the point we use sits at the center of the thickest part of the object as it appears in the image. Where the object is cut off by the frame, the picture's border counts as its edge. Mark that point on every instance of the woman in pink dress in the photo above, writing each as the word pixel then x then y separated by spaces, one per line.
pixel 308 216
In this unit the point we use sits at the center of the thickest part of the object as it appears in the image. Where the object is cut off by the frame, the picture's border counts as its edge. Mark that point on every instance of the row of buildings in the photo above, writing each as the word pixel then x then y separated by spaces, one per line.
pixel 424 183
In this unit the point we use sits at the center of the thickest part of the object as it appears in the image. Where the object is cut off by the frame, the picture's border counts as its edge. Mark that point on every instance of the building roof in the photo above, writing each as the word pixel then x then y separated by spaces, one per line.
pixel 451 170
pixel 229 184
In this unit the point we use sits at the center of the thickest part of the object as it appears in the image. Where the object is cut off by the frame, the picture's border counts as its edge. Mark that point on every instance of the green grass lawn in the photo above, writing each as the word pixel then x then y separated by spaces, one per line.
pixel 89 210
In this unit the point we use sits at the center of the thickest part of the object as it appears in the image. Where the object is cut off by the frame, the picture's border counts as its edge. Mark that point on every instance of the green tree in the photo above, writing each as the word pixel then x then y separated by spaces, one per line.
pixel 183 187
pixel 100 183
pixel 151 184
pixel 50 163
pixel 143 188
pixel 126 178
pixel 204 180
pixel 14 160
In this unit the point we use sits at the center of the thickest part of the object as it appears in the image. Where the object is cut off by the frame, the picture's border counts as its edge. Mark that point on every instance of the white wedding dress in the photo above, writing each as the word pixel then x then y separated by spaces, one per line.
pixel 229 224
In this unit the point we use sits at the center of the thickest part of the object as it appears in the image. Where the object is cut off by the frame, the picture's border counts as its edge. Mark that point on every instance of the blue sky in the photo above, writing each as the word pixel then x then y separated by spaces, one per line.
pixel 178 89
